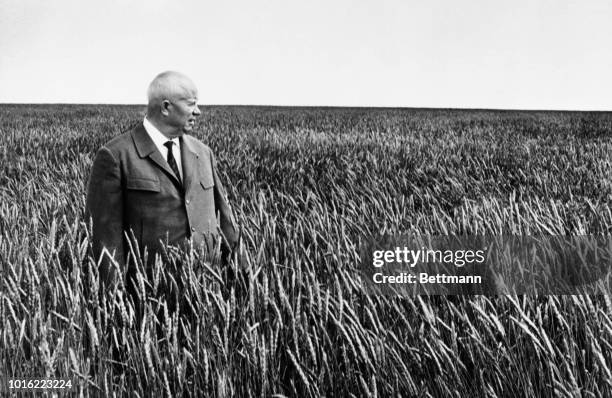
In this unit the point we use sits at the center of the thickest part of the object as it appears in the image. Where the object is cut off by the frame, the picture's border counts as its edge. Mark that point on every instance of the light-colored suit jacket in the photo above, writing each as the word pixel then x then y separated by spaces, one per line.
pixel 133 189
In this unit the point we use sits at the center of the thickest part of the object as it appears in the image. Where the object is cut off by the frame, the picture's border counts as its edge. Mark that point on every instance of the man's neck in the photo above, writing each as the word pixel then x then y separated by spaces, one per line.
pixel 159 125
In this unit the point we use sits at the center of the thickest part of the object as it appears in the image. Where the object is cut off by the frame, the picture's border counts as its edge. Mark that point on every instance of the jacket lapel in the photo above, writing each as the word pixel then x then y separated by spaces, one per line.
pixel 146 148
pixel 189 158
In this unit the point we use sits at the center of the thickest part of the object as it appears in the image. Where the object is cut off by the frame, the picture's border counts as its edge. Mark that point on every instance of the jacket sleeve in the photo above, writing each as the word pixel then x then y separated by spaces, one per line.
pixel 223 209
pixel 105 210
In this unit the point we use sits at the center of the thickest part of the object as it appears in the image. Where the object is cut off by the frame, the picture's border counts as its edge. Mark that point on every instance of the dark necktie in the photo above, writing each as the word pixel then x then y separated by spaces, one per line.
pixel 171 161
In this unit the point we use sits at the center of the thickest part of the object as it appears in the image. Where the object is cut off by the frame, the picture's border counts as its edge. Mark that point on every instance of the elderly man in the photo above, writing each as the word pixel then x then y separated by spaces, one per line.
pixel 158 183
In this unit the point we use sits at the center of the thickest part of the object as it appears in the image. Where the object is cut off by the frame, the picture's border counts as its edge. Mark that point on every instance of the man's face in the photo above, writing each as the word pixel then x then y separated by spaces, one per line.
pixel 183 111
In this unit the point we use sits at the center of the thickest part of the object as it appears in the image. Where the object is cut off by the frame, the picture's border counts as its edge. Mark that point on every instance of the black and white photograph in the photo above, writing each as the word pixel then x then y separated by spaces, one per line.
pixel 338 198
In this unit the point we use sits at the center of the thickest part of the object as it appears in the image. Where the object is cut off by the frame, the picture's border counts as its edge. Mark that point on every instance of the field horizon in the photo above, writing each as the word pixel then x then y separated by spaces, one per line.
pixel 329 107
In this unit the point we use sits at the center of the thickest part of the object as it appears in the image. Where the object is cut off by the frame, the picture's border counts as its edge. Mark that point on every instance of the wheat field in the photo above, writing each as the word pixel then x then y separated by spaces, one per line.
pixel 288 317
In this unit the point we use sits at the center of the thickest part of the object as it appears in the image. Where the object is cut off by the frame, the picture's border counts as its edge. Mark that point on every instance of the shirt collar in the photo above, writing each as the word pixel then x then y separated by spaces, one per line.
pixel 158 138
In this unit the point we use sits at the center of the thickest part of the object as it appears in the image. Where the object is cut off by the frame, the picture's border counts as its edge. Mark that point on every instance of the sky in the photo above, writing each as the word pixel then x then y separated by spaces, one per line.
pixel 512 54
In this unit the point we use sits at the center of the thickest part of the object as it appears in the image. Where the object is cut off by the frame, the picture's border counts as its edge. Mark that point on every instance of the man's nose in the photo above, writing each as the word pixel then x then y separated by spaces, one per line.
pixel 196 111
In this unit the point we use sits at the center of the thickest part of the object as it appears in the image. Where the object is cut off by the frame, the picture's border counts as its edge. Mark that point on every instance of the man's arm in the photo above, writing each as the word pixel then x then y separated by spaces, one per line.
pixel 105 208
pixel 223 209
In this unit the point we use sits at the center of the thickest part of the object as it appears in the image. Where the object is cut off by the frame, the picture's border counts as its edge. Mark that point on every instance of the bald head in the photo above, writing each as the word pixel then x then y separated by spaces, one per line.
pixel 172 106
pixel 171 86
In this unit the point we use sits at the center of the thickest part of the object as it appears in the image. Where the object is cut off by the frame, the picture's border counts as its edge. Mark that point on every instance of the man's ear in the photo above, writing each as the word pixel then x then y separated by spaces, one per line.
pixel 165 106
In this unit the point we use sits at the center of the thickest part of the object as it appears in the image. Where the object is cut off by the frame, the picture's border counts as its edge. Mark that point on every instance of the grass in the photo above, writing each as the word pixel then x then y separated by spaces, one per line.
pixel 288 316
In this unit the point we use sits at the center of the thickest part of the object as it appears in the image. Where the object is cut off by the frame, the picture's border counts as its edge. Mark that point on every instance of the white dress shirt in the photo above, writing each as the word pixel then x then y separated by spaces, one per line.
pixel 159 139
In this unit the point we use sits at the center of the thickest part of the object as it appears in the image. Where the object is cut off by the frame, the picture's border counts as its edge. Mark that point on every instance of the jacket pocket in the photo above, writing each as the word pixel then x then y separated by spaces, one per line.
pixel 141 184
pixel 207 182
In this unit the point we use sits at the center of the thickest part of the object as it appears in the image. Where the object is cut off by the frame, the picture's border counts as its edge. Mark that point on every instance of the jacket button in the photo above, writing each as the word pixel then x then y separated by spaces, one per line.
pixel 187 201
pixel 192 229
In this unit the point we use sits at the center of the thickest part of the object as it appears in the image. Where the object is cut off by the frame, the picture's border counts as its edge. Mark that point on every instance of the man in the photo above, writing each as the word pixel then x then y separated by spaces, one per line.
pixel 158 183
